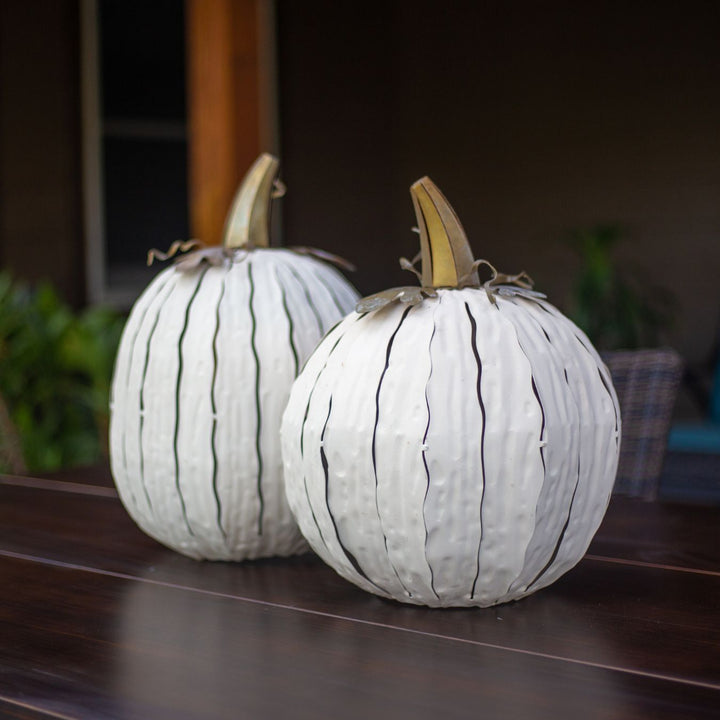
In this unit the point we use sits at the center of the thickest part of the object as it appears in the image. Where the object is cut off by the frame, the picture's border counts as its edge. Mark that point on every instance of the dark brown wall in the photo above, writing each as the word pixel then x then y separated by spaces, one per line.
pixel 534 118
pixel 40 200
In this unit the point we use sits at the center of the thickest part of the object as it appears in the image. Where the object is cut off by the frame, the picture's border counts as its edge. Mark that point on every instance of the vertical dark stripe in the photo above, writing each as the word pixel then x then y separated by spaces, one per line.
pixel 374 437
pixel 604 382
pixel 425 464
pixel 291 327
pixel 538 303
pixel 561 537
pixel 560 360
pixel 558 317
pixel 478 390
pixel 257 398
pixel 615 410
pixel 542 412
pixel 592 356
pixel 323 459
pixel 310 396
pixel 582 342
pixel 214 411
pixel 126 384
pixel 308 297
pixel 302 439
pixel 177 400
pixel 556 550
pixel 141 423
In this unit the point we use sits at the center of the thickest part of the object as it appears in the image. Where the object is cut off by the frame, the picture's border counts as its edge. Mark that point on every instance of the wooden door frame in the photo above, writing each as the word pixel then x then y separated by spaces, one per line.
pixel 232 102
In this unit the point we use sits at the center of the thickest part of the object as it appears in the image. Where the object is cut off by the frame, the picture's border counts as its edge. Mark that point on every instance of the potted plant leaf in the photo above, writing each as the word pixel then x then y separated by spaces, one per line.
pixel 626 320
pixel 55 368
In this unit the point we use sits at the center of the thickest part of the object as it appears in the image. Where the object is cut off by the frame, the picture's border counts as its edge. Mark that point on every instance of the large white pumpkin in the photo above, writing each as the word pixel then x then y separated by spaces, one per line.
pixel 454 444
pixel 201 379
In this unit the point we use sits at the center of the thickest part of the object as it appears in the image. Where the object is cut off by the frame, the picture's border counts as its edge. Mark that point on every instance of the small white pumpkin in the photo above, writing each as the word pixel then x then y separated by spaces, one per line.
pixel 454 444
pixel 201 379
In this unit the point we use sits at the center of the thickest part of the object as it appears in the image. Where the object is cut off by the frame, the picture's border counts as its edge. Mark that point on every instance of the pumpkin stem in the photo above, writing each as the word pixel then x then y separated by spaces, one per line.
pixel 248 222
pixel 447 260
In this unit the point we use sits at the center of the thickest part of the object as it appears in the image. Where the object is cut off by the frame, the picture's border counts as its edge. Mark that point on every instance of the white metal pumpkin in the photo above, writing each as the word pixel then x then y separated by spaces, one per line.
pixel 454 444
pixel 201 379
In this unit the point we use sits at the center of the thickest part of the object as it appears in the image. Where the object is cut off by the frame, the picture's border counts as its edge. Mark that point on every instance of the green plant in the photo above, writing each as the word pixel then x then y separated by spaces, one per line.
pixel 55 369
pixel 612 305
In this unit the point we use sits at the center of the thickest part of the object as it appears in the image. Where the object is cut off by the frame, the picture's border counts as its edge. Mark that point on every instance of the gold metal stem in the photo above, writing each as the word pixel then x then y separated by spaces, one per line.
pixel 248 222
pixel 447 260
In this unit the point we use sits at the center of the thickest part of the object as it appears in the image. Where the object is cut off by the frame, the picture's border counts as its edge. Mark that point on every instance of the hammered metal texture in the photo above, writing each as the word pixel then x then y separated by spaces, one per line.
pixel 452 453
pixel 202 376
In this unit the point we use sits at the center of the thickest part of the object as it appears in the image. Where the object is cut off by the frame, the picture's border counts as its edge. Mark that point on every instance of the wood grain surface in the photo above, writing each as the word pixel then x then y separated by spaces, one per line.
pixel 99 621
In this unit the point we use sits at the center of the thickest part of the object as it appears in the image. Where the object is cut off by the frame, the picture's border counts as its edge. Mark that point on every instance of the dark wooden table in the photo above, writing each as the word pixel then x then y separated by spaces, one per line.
pixel 99 621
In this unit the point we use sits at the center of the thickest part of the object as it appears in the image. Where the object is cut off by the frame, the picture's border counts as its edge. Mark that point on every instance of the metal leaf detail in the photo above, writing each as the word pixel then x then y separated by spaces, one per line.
pixel 195 254
pixel 408 295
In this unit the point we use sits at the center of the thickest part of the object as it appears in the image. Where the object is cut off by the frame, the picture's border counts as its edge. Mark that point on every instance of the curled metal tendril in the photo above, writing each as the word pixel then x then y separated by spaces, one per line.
pixel 499 284
pixel 409 265
pixel 519 284
pixel 174 249
pixel 194 253
pixel 279 189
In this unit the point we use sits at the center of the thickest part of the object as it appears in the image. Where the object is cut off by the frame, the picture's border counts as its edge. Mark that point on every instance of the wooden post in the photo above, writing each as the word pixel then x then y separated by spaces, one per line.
pixel 223 107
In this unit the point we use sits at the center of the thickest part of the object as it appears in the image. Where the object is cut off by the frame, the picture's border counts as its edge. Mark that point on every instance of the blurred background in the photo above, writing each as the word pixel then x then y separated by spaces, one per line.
pixel 576 141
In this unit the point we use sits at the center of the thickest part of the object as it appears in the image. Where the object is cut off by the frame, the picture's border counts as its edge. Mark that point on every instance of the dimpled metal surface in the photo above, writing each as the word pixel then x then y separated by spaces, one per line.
pixel 201 379
pixel 455 452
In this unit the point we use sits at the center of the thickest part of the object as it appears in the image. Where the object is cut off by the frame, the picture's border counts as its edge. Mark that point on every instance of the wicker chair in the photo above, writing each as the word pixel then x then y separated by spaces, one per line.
pixel 647 383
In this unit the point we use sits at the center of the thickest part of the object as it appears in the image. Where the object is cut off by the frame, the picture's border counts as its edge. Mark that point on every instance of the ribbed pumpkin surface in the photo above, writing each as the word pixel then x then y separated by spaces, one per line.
pixel 201 379
pixel 454 452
